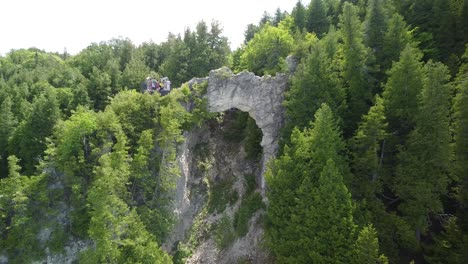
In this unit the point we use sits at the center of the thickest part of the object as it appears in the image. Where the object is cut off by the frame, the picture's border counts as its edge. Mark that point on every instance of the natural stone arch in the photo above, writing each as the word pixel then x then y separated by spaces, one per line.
pixel 261 97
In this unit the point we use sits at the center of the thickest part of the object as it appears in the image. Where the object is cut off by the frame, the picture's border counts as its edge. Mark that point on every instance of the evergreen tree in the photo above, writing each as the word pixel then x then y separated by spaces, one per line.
pixel 314 82
pixel 17 219
pixel 366 248
pixel 375 26
pixel 368 146
pixel 299 15
pixel 135 72
pixel 323 219
pixel 119 234
pixel 460 128
pixel 314 156
pixel 450 246
pixel 422 172
pixel 401 91
pixel 250 32
pixel 28 141
pixel 355 70
pixel 219 47
pixel 100 88
pixel 279 16
pixel 396 38
pixel 8 123
pixel 176 66
pixel 317 20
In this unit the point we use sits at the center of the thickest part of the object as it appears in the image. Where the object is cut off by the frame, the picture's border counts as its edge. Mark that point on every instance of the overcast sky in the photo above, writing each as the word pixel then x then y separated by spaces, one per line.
pixel 54 25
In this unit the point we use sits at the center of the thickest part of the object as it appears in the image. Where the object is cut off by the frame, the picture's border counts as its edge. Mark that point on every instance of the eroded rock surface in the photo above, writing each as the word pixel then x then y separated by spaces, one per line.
pixel 261 97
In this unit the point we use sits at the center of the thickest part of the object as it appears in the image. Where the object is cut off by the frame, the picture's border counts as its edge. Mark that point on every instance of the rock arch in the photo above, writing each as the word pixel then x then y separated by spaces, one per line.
pixel 261 97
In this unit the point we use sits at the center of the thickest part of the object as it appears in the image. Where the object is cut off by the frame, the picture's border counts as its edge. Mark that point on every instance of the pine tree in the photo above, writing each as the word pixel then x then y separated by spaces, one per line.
pixel 355 70
pixel 368 146
pixel 323 219
pixel 291 178
pixel 18 234
pixel 28 140
pixel 423 163
pixel 401 91
pixel 317 20
pixel 375 26
pixel 100 88
pixel 135 71
pixel 366 248
pixel 299 15
pixel 396 38
pixel 117 230
pixel 460 128
pixel 314 83
pixel 7 125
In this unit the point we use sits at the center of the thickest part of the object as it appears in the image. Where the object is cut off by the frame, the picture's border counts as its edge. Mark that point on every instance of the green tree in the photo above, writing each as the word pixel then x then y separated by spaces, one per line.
pixel 317 20
pixel 366 248
pixel 135 72
pixel 375 25
pixel 152 55
pixel 460 128
pixel 401 91
pixel 119 234
pixel 367 149
pixel 313 156
pixel 396 38
pixel 8 124
pixel 176 66
pixel 422 173
pixel 266 52
pixel 299 15
pixel 28 141
pixel 314 82
pixel 250 32
pixel 355 70
pixel 80 97
pixel 279 16
pixel 100 88
pixel 324 219
pixel 17 222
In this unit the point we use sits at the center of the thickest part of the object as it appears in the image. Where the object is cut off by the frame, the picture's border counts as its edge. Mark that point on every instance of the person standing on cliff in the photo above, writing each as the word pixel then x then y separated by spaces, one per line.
pixel 168 84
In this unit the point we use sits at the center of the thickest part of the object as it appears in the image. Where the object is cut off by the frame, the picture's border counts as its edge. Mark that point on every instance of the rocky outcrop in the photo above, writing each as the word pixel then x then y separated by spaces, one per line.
pixel 261 97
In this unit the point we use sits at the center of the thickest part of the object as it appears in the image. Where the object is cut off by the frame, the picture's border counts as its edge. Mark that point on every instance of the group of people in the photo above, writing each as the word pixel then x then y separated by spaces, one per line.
pixel 163 86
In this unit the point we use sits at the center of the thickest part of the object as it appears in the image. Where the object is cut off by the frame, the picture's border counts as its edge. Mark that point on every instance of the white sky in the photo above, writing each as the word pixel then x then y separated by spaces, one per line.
pixel 53 25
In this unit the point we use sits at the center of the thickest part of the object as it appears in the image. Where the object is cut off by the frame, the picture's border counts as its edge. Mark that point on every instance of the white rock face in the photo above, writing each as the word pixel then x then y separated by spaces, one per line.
pixel 261 97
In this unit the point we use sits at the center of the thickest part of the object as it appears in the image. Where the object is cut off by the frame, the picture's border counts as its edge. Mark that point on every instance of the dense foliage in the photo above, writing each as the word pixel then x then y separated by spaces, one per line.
pixel 373 162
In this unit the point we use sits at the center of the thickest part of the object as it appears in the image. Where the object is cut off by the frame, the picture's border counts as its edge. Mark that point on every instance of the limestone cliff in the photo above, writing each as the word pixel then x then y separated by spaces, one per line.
pixel 261 97
pixel 224 162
